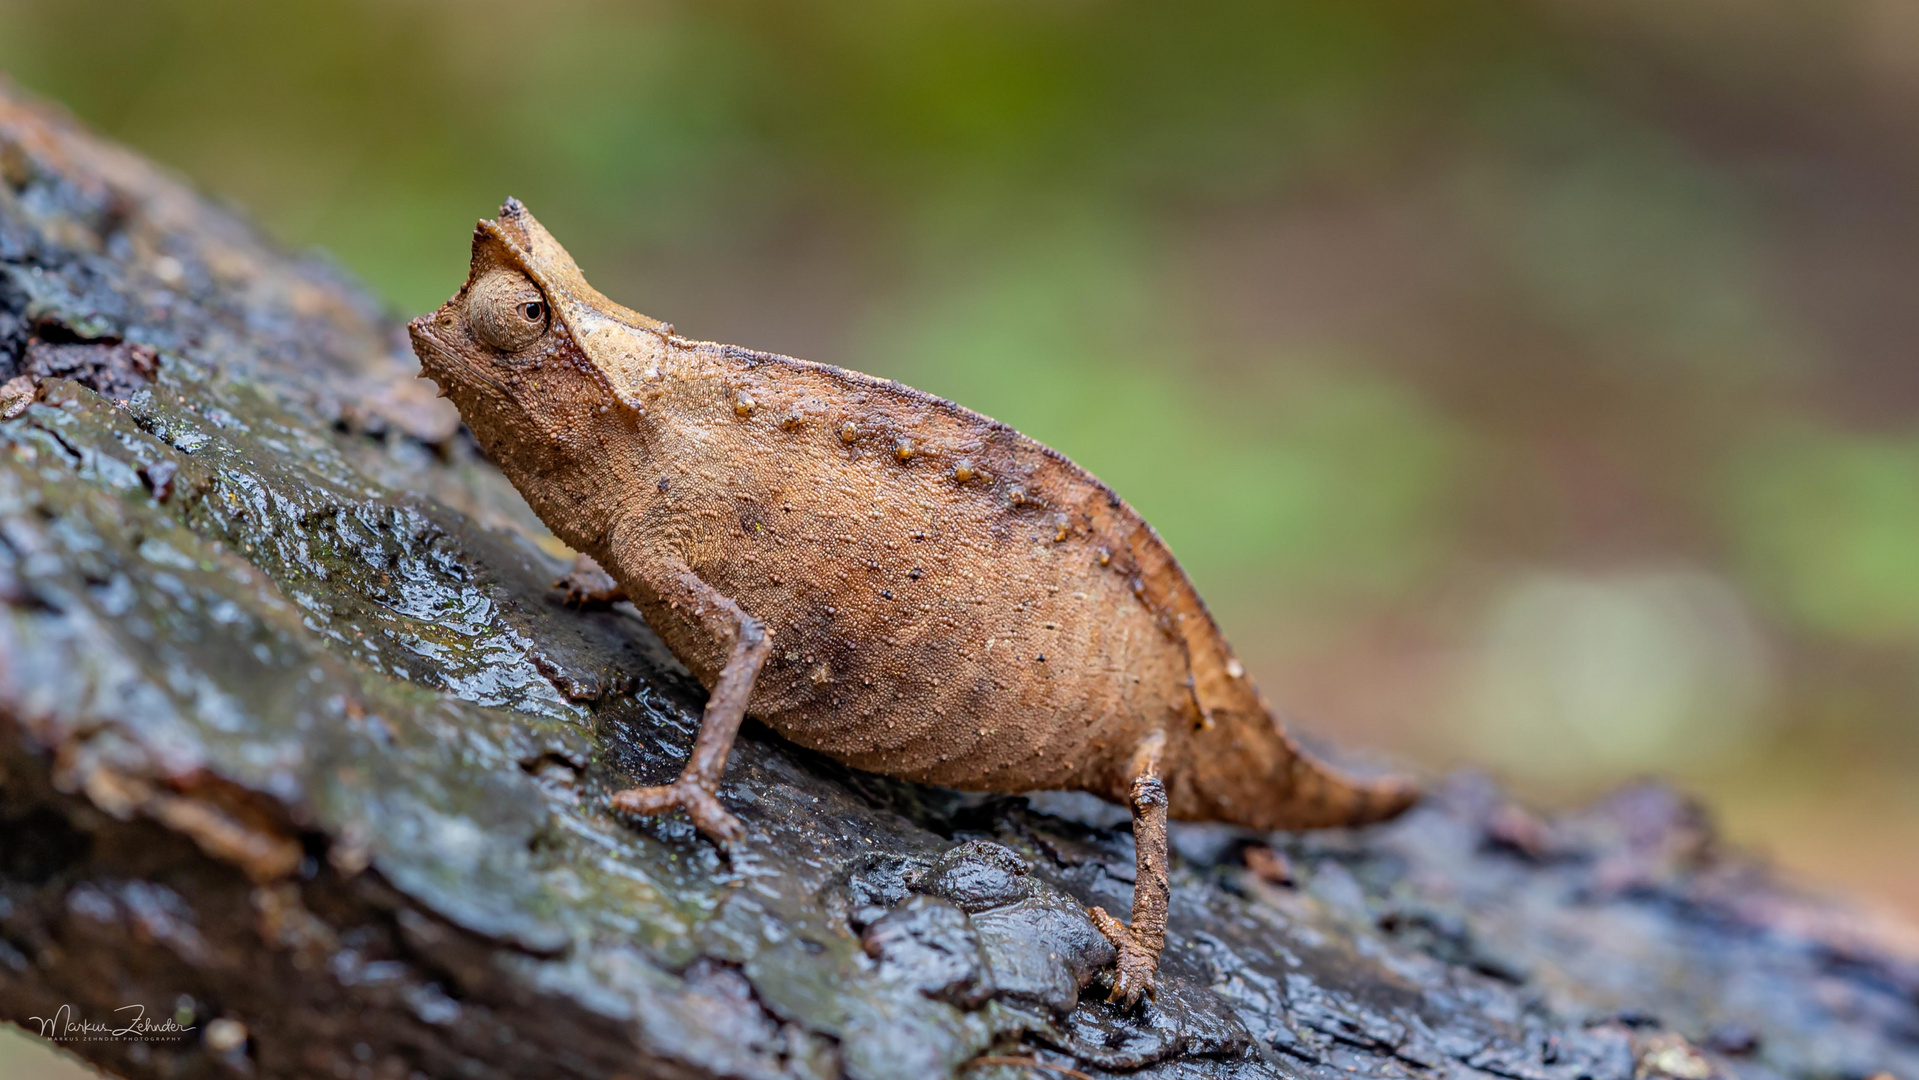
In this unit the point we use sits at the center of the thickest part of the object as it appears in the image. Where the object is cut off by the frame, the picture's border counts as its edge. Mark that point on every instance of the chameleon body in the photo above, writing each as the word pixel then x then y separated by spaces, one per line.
pixel 883 576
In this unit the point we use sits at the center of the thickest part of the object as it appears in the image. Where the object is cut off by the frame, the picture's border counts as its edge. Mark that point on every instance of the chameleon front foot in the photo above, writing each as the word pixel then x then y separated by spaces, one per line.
pixel 589 585
pixel 1138 960
pixel 701 805
pixel 696 790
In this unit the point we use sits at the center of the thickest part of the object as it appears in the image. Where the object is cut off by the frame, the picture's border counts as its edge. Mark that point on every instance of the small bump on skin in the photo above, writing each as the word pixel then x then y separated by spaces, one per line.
pixel 744 405
pixel 964 472
pixel 904 451
pixel 1016 496
pixel 849 432
pixel 1060 536
pixel 1105 557
pixel 790 422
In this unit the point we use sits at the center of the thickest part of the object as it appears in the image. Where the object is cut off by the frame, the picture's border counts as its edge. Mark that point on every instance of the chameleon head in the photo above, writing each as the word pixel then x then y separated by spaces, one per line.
pixel 534 357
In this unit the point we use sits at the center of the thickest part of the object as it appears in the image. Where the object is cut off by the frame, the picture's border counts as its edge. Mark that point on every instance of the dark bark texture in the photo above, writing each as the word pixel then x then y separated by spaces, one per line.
pixel 299 747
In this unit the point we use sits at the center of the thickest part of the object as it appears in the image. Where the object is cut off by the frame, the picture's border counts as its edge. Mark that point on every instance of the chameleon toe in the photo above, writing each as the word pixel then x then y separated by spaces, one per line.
pixel 1133 972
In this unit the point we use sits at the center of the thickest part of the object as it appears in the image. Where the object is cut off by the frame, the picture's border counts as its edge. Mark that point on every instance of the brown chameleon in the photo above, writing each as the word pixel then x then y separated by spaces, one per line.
pixel 904 585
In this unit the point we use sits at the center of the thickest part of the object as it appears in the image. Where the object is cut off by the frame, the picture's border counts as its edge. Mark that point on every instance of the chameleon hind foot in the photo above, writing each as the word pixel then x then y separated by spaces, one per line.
pixel 1141 943
pixel 1138 960
pixel 701 805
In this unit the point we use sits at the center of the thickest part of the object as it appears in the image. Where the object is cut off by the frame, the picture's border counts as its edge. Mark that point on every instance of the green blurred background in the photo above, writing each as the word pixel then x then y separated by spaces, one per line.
pixel 1526 383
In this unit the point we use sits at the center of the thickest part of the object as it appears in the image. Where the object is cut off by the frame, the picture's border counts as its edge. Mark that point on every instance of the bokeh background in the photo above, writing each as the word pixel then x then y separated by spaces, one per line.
pixel 1531 384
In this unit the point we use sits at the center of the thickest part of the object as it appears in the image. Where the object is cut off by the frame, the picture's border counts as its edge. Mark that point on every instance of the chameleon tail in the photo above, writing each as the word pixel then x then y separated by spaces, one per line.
pixel 1254 774
pixel 1317 795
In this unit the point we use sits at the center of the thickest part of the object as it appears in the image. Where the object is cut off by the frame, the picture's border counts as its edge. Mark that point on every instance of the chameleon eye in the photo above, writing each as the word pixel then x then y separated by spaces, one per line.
pixel 506 311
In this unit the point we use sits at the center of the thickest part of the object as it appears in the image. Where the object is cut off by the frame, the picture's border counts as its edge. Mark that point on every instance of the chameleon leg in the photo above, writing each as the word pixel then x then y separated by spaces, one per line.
pixel 696 791
pixel 587 585
pixel 1141 943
